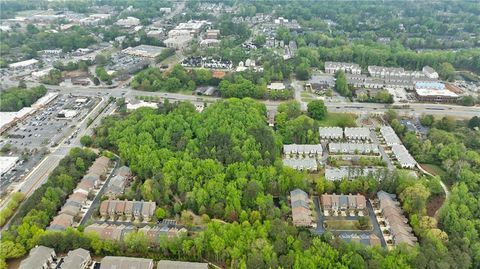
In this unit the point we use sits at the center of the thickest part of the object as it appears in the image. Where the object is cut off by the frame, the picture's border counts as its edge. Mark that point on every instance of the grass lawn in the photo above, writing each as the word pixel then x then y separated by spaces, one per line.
pixel 339 119
pixel 434 169
pixel 305 94
pixel 345 225
pixel 307 100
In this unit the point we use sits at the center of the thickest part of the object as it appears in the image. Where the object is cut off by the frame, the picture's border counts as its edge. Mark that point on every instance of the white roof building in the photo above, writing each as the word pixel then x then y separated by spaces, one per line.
pixel 23 64
pixel 357 133
pixel 309 164
pixel 9 118
pixel 277 86
pixel 178 42
pixel 430 72
pixel 330 132
pixel 128 22
pixel 348 172
pixel 7 163
pixel 146 51
pixel 390 136
pixel 353 148
pixel 403 156
pixel 302 149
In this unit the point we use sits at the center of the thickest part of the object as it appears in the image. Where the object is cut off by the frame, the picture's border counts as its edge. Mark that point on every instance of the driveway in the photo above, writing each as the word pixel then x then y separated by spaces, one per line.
pixel 373 136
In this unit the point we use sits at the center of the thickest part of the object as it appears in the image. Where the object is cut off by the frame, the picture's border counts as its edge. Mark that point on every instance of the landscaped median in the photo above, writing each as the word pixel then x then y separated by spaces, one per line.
pixel 10 208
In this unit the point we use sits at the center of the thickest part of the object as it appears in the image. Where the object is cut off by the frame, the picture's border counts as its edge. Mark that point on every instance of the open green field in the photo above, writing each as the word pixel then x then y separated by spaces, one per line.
pixel 339 119
pixel 434 169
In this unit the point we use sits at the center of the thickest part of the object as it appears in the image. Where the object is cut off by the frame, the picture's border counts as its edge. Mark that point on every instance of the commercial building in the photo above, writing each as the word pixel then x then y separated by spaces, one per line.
pixel 209 43
pixel 23 65
pixel 319 83
pixel 353 148
pixel 195 27
pixel 435 92
pixel 301 212
pixel 8 119
pixel 334 67
pixel 330 133
pixel 128 22
pixel 115 262
pixel 333 204
pixel 39 257
pixel 165 264
pixel 157 33
pixel 76 259
pixel 146 51
pixel 302 149
pixel 390 136
pixel 357 133
pixel 178 42
pixel 396 222
pixel 308 164
pixel 403 156
pixel 7 163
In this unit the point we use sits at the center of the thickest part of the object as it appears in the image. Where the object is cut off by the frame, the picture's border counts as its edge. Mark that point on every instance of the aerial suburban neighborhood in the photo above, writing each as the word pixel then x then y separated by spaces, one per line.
pixel 239 134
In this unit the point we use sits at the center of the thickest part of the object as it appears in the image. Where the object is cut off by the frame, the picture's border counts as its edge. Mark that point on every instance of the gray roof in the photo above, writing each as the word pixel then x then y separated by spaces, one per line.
pixel 348 172
pixel 357 132
pixel 302 148
pixel 301 164
pixel 330 132
pixel 300 203
pixel 111 262
pixel 37 257
pixel 403 156
pixel 164 264
pixel 124 171
pixel 361 148
pixel 390 136
pixel 75 259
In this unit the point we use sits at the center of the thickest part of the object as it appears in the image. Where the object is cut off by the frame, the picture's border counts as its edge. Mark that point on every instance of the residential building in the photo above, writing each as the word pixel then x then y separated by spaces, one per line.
pixel 100 167
pixel 430 72
pixel 301 213
pixel 333 204
pixel 212 34
pixel 165 264
pixel 334 67
pixel 157 33
pixel 116 262
pixel 390 136
pixel 331 133
pixel 357 133
pixel 61 222
pixel 116 186
pixel 403 156
pixel 349 172
pixel 76 259
pixel 23 65
pixel 39 257
pixel 209 43
pixel 118 208
pixel 302 149
pixel 309 164
pixel 395 221
pixel 353 148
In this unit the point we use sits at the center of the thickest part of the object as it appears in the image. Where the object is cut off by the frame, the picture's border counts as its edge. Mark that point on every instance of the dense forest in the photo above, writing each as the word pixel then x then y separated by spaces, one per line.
pixel 14 99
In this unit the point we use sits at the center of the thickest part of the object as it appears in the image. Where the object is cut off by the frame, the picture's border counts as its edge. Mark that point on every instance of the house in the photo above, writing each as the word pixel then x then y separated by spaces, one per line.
pixel 309 164
pixel 351 172
pixel 395 221
pixel 137 209
pixel 84 187
pixel 357 133
pixel 403 156
pixel 116 186
pixel 119 262
pixel 301 213
pixel 39 257
pixel 76 259
pixel 165 264
pixel 330 133
pixel 333 204
pixel 100 167
pixel 124 171
pixel 389 136
pixel 212 34
pixel 61 222
pixel 148 210
pixel 334 67
pixel 302 149
pixel 430 72
pixel 353 148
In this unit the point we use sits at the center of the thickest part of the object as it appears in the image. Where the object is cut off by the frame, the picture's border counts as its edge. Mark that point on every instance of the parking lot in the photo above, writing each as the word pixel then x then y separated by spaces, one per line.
pixel 34 136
